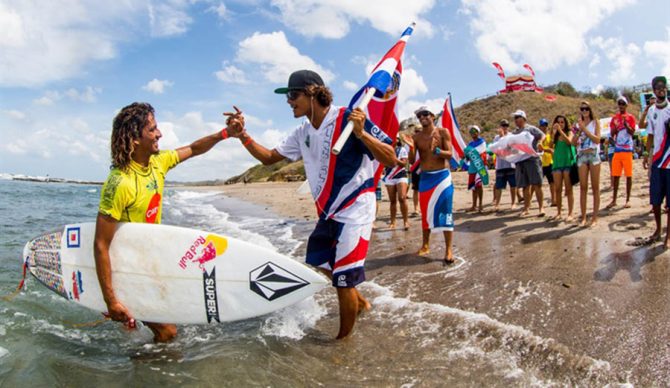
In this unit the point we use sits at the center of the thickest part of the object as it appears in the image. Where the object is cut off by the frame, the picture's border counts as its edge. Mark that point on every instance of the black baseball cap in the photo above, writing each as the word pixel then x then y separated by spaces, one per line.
pixel 299 80
pixel 658 79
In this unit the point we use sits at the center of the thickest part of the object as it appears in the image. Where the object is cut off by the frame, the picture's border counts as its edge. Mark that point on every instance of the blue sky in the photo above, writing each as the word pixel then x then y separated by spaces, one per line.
pixel 68 66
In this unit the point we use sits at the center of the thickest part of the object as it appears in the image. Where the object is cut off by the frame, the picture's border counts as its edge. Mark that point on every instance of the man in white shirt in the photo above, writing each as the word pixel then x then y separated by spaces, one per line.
pixel 342 186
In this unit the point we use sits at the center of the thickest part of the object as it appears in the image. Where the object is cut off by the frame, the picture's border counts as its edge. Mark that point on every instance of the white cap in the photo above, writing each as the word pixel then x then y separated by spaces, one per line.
pixel 423 108
pixel 519 112
pixel 476 128
pixel 622 98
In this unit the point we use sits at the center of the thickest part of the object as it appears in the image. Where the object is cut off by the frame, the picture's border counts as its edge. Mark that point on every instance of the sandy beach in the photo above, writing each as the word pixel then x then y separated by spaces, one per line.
pixel 588 293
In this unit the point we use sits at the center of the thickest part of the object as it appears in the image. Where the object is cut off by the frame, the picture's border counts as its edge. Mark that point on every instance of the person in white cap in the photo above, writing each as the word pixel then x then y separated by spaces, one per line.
pixel 474 180
pixel 529 169
pixel 436 191
pixel 622 128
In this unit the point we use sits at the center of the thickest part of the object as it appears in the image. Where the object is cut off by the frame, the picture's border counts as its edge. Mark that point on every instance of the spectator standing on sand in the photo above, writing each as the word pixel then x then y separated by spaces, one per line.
pixel 564 158
pixel 587 141
pixel 547 148
pixel 474 180
pixel 659 142
pixel 622 128
pixel 504 172
pixel 529 170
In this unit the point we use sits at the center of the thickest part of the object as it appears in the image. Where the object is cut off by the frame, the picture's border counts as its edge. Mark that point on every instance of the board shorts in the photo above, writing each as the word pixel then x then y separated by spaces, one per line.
pixel 474 181
pixel 547 171
pixel 415 180
pixel 528 173
pixel 436 195
pixel 588 158
pixel 505 176
pixel 659 186
pixel 340 248
pixel 622 161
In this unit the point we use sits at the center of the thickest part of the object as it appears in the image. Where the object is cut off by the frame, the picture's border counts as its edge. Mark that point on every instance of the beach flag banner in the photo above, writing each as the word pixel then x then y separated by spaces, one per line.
pixel 530 69
pixel 501 73
pixel 448 121
pixel 379 94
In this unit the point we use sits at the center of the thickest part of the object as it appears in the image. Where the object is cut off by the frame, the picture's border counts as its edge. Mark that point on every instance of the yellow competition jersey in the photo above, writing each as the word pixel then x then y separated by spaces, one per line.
pixel 135 195
pixel 547 158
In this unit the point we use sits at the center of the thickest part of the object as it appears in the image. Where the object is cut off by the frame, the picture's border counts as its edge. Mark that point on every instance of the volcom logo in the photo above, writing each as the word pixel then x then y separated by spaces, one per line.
pixel 342 281
pixel 272 281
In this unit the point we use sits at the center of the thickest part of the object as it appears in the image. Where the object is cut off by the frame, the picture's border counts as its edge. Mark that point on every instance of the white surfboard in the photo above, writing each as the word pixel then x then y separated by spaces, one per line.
pixel 170 274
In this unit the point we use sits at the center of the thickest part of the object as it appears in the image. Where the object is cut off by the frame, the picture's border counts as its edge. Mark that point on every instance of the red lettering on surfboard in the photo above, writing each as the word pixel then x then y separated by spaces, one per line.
pixel 203 250
pixel 152 209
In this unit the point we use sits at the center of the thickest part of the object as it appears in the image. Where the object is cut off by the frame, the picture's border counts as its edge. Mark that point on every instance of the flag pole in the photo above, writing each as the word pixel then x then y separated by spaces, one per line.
pixel 346 132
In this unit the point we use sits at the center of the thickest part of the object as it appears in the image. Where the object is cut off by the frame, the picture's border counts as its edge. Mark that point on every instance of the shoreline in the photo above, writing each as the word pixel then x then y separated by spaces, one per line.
pixel 559 281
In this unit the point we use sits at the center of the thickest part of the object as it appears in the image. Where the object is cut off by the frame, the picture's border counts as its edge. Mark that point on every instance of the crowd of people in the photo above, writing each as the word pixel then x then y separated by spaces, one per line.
pixel 566 154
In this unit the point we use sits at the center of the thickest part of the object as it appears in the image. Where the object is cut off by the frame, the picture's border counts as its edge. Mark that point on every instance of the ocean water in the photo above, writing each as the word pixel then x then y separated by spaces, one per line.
pixel 400 342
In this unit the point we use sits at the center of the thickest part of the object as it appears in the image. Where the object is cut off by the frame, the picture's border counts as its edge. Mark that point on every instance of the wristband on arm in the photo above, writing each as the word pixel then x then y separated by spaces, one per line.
pixel 437 151
pixel 248 141
pixel 224 133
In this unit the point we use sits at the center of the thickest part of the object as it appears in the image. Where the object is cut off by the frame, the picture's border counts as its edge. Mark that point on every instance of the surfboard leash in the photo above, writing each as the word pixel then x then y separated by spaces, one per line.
pixel 11 296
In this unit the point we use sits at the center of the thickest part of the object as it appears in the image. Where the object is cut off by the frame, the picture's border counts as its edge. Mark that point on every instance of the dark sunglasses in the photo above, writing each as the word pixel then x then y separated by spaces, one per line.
pixel 293 94
pixel 505 125
pixel 519 117
pixel 423 114
pixel 621 103
pixel 585 109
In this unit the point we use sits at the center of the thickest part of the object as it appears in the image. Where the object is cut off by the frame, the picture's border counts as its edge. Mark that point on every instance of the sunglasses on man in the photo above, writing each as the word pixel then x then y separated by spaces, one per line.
pixel 293 94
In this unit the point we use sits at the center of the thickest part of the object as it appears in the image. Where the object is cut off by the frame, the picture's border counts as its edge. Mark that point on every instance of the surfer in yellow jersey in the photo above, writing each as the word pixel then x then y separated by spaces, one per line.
pixel 133 192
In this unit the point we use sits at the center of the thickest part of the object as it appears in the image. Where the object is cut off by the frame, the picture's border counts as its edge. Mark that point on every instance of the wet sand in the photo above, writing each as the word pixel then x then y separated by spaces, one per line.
pixel 587 291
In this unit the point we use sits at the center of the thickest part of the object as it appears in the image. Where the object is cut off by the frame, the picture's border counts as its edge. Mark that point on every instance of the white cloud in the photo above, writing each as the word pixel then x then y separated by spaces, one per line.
pixel 447 32
pixel 391 16
pixel 231 74
pixel 45 41
pixel 411 85
pixel 87 94
pixel 169 18
pixel 157 86
pixel 277 57
pixel 15 114
pixel 349 85
pixel 272 137
pixel 620 55
pixel 659 50
pixel 598 89
pixel 220 10
pixel 545 34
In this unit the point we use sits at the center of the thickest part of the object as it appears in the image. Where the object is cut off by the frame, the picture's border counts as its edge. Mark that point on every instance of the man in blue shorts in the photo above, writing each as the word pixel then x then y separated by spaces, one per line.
pixel 658 126
pixel 505 173
pixel 342 186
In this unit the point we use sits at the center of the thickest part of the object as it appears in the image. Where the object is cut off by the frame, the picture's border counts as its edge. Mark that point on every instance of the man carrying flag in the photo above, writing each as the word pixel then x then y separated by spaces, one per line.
pixel 343 186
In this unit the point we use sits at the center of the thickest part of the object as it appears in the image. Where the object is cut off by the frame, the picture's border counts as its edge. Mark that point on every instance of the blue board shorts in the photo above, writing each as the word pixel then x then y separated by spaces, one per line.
pixel 340 248
pixel 505 176
pixel 659 186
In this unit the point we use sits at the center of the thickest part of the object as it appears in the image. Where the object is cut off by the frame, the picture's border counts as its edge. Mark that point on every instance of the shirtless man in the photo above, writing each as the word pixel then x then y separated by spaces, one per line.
pixel 435 186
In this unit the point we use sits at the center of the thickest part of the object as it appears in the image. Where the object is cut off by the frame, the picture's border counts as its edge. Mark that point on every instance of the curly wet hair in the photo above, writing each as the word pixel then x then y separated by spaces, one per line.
pixel 128 125
pixel 321 94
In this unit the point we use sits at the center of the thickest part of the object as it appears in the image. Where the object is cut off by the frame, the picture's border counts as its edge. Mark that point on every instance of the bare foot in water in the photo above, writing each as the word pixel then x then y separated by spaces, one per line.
pixel 406 225
pixel 470 209
pixel 524 213
pixel 626 205
pixel 594 223
pixel 569 218
pixel 610 205
pixel 391 225
pixel 423 251
pixel 363 305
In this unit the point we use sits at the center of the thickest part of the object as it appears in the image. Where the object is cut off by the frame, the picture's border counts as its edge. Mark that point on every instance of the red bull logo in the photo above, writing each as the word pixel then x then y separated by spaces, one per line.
pixel 204 250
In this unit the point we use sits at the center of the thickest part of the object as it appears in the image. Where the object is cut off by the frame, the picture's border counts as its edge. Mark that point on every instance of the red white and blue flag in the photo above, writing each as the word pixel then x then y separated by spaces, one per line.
pixel 385 78
pixel 450 123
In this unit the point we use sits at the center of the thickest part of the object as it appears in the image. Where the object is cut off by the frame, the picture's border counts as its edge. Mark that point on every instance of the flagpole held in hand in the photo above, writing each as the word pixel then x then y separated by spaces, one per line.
pixel 346 132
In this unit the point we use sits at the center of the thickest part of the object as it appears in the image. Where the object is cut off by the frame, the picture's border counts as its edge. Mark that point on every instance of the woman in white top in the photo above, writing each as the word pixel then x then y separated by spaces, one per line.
pixel 587 141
